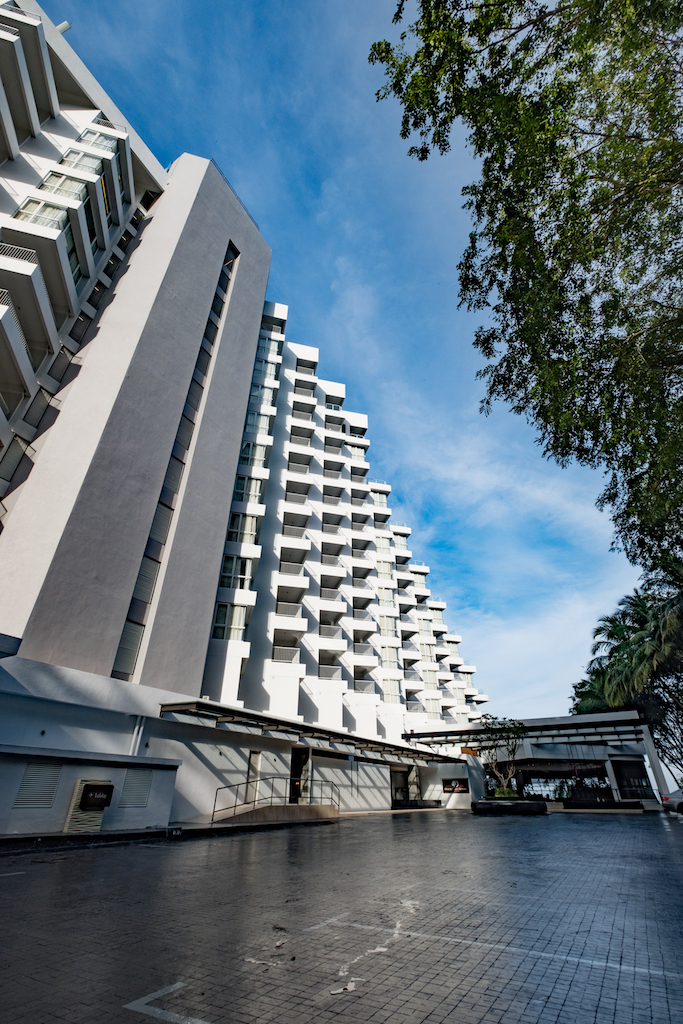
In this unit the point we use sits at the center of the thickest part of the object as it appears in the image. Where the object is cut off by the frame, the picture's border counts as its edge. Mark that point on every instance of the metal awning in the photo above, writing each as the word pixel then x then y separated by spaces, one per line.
pixel 288 729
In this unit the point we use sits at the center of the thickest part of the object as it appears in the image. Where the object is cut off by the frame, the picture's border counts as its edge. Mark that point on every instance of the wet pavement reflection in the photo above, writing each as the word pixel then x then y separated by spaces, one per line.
pixel 402 918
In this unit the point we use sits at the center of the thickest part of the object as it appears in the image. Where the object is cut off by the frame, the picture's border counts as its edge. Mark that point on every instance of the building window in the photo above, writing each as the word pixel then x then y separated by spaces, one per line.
pixel 229 622
pixel 252 454
pixel 385 597
pixel 426 652
pixel 383 545
pixel 389 657
pixel 400 543
pixel 387 625
pixel 380 500
pixel 248 488
pixel 260 395
pixel 425 627
pixel 62 185
pixel 84 162
pixel 268 347
pixel 391 691
pixel 433 708
pixel 384 570
pixel 236 572
pixel 429 679
pixel 243 529
pixel 265 370
pixel 257 423
pixel 33 211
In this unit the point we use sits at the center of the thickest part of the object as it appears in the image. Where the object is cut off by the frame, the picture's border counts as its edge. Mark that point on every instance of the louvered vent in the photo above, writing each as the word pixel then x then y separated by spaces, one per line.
pixel 136 787
pixel 84 821
pixel 39 785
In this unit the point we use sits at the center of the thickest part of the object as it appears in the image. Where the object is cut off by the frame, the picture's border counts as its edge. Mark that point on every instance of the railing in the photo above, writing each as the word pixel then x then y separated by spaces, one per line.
pixel 331 499
pixel 329 594
pixel 303 442
pixel 273 789
pixel 358 501
pixel 415 708
pixel 333 449
pixel 109 124
pixel 358 581
pixel 25 14
pixel 360 613
pixel 290 654
pixel 330 528
pixel 337 428
pixel 17 252
pixel 292 568
pixel 305 392
pixel 297 467
pixel 330 560
pixel 329 672
pixel 306 369
pixel 288 608
pixel 299 414
pixel 332 474
pixel 364 649
pixel 294 531
pixel 297 497
pixel 332 632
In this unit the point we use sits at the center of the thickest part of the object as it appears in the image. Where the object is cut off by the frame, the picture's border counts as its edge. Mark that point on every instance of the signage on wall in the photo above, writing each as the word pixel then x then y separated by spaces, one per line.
pixel 456 786
pixel 96 796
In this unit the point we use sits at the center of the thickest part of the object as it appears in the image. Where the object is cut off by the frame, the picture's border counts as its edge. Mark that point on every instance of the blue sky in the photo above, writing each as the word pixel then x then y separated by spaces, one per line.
pixel 365 247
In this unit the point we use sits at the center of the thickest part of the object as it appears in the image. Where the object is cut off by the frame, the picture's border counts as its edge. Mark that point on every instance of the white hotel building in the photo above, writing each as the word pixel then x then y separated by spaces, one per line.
pixel 321 611
pixel 199 585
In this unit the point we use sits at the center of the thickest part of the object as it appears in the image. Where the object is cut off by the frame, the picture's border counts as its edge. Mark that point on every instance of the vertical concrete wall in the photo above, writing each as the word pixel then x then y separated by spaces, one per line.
pixel 178 634
pixel 87 508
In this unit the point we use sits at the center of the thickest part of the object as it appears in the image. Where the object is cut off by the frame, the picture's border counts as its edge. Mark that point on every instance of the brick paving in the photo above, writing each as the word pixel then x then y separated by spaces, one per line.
pixel 403 919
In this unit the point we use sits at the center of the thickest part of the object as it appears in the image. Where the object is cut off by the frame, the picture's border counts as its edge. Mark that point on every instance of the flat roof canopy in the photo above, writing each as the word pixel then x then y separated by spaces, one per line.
pixel 309 735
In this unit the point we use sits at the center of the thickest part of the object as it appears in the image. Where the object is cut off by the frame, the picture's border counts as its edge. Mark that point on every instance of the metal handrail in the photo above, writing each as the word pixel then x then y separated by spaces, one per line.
pixel 293 790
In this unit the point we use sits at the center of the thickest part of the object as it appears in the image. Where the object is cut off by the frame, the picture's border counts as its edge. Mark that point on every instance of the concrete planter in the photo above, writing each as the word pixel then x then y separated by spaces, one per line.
pixel 509 807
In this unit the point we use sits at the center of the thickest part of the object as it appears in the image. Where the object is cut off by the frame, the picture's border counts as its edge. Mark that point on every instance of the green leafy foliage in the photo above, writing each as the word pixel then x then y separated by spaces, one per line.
pixel 638 661
pixel 576 253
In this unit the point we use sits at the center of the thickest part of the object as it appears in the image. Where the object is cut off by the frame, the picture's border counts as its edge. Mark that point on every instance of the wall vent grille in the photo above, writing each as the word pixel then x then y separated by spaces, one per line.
pixel 136 787
pixel 39 785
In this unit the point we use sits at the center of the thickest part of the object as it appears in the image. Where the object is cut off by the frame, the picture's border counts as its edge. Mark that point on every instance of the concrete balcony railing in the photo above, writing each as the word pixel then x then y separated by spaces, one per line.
pixel 330 528
pixel 299 414
pixel 364 649
pixel 361 583
pixel 298 467
pixel 331 632
pixel 362 615
pixel 294 531
pixel 290 654
pixel 332 474
pixel 288 608
pixel 305 393
pixel 329 672
pixel 328 594
pixel 296 497
pixel 330 560
pixel 291 568
pixel 336 428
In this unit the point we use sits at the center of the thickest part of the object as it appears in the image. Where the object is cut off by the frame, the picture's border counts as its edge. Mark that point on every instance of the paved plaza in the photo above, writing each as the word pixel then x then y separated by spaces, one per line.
pixel 402 918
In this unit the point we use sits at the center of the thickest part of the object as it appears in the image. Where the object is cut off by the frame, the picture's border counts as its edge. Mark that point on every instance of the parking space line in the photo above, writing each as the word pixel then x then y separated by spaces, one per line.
pixel 141 1006
pixel 503 948
pixel 9 874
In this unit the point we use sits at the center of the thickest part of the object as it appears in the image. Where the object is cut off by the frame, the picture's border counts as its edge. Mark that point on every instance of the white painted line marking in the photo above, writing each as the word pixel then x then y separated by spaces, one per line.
pixel 8 874
pixel 506 949
pixel 140 1006
pixel 330 920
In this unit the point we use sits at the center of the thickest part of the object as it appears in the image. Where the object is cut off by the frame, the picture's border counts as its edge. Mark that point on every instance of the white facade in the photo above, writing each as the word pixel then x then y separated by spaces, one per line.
pixel 184 504
pixel 321 612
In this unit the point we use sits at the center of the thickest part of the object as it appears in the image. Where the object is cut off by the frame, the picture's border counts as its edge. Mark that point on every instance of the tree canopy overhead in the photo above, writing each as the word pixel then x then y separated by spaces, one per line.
pixel 576 253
